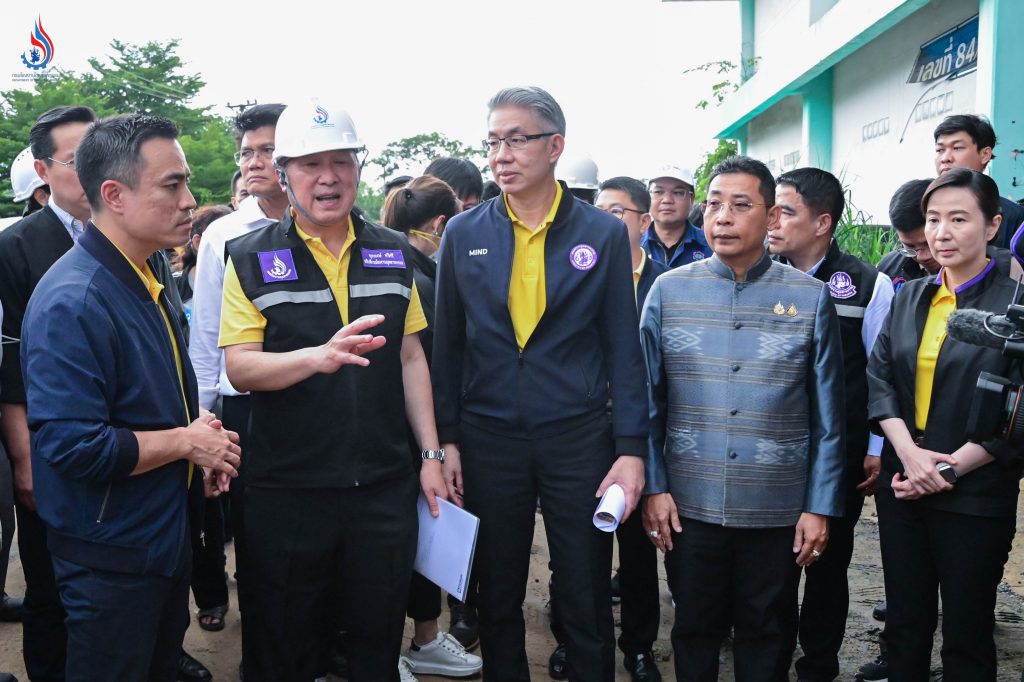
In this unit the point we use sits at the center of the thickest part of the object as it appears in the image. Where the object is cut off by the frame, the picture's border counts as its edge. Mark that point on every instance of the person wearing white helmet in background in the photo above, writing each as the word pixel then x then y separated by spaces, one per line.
pixel 672 239
pixel 320 322
pixel 27 186
pixel 580 176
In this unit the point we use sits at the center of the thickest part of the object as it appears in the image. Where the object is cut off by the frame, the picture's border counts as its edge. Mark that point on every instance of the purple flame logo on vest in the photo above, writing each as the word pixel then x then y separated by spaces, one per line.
pixel 277 266
pixel 40 40
pixel 841 285
pixel 583 256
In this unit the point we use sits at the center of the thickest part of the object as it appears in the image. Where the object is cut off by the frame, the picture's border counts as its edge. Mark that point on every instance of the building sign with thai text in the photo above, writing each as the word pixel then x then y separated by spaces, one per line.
pixel 951 55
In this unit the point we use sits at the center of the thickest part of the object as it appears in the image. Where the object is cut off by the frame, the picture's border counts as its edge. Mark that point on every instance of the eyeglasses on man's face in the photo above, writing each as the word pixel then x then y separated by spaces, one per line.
pixel 493 144
pixel 714 207
pixel 246 156
pixel 620 211
pixel 914 251
pixel 70 165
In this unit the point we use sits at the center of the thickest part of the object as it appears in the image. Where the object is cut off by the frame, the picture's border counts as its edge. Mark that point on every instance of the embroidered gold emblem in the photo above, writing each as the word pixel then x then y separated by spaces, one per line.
pixel 791 311
pixel 779 310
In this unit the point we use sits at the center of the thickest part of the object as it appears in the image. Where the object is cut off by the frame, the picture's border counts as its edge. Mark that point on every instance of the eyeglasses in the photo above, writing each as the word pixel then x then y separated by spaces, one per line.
pixel 739 207
pixel 492 144
pixel 912 252
pixel 620 211
pixel 246 156
pixel 67 164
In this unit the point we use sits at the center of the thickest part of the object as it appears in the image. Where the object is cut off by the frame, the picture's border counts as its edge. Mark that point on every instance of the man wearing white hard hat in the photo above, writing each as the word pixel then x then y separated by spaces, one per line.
pixel 319 322
pixel 580 176
pixel 672 239
pixel 26 184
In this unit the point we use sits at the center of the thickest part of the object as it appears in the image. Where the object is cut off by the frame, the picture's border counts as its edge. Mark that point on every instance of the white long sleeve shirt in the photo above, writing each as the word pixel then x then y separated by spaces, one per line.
pixel 207 358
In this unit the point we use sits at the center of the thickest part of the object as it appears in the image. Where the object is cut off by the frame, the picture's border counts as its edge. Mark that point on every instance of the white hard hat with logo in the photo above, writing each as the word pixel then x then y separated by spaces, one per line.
pixel 675 172
pixel 579 173
pixel 310 127
pixel 24 179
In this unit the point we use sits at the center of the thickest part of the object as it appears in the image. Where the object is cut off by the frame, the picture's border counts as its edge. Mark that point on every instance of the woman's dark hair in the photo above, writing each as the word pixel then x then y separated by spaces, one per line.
pixel 980 185
pixel 201 220
pixel 491 190
pixel 413 206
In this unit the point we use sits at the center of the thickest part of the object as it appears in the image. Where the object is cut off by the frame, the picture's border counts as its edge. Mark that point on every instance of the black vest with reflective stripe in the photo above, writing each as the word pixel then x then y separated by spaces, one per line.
pixel 331 430
pixel 851 304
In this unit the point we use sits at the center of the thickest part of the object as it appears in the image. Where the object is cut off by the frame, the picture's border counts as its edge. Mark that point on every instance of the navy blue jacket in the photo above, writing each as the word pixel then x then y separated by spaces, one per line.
pixel 693 247
pixel 98 366
pixel 585 341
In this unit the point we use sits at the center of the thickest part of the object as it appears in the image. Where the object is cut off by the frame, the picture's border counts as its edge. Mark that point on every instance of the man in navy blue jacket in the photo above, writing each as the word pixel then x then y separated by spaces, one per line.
pixel 116 432
pixel 536 319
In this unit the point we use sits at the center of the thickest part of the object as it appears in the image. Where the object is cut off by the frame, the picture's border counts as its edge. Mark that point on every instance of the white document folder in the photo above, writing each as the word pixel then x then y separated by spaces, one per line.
pixel 444 550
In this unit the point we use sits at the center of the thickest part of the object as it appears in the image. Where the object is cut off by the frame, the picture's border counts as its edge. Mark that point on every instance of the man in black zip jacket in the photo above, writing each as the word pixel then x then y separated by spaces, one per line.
pixel 811 202
pixel 536 319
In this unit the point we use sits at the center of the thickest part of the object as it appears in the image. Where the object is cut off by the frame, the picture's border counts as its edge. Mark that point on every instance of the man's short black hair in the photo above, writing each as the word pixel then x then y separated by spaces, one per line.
pixel 40 137
pixel 636 190
pixel 396 182
pixel 905 206
pixel 820 191
pixel 745 164
pixel 111 150
pixel 462 175
pixel 977 127
pixel 491 190
pixel 255 117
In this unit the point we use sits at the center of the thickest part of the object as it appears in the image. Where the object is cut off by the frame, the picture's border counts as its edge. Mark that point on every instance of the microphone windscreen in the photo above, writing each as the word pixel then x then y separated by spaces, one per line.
pixel 968 326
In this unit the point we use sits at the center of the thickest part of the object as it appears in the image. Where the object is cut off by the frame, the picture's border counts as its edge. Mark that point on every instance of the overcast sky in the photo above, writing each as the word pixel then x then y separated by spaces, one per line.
pixel 402 68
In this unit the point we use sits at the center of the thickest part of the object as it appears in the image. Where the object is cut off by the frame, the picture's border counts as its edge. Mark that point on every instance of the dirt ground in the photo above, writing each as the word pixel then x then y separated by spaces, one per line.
pixel 220 650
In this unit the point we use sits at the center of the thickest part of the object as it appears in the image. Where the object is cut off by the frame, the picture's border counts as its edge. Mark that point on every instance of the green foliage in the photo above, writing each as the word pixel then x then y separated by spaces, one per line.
pixel 724 150
pixel 858 235
pixel 726 86
pixel 370 200
pixel 419 150
pixel 136 78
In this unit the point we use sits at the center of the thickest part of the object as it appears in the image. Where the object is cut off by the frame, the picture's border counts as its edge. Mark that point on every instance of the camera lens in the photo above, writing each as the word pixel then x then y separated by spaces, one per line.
pixel 995 410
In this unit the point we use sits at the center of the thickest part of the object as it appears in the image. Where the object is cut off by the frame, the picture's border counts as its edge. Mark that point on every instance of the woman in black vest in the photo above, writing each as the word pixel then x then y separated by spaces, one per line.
pixel 420 210
pixel 947 505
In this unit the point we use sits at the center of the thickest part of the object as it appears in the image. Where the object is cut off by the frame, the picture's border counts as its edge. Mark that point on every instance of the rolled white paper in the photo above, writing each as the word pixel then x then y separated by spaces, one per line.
pixel 610 509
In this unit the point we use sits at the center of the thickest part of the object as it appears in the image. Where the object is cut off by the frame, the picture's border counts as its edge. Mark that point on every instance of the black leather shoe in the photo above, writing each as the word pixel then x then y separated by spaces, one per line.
pixel 642 668
pixel 191 670
pixel 11 609
pixel 878 613
pixel 558 666
pixel 7 677
pixel 463 626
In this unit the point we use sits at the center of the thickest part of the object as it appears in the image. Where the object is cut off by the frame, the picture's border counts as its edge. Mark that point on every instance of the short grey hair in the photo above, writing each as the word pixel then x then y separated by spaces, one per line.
pixel 537 100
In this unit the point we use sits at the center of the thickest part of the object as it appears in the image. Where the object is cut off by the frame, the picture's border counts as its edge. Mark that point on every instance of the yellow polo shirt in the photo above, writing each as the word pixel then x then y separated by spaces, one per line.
pixel 154 287
pixel 638 272
pixel 942 306
pixel 242 322
pixel 527 297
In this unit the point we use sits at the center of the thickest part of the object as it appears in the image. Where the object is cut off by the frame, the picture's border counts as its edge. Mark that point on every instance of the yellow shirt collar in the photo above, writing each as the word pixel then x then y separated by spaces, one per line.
pixel 349 239
pixel 149 280
pixel 550 218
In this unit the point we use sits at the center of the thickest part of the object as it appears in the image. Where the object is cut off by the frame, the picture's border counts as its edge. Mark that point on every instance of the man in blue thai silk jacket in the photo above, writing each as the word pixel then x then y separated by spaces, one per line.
pixel 747 429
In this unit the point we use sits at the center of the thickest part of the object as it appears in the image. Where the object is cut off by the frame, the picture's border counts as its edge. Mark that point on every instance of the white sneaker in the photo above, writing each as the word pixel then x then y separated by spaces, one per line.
pixel 444 656
pixel 404 671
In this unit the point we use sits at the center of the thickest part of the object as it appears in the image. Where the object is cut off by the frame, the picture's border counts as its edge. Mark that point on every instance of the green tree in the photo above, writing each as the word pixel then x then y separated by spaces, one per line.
pixel 136 78
pixel 370 200
pixel 724 150
pixel 420 150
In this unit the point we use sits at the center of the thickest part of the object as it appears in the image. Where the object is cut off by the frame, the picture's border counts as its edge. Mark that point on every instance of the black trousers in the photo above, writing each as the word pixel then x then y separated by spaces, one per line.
pixel 123 626
pixel 424 599
pixel 723 576
pixel 209 581
pixel 927 552
pixel 503 478
pixel 302 544
pixel 6 515
pixel 45 639
pixel 638 584
pixel 820 619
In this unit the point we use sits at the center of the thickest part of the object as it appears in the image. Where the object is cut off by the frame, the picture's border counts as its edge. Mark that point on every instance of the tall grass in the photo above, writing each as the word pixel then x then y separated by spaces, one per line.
pixel 858 235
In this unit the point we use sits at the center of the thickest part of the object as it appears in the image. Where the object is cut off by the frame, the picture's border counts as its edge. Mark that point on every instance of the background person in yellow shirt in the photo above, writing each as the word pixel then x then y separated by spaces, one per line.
pixel 949 532
pixel 331 490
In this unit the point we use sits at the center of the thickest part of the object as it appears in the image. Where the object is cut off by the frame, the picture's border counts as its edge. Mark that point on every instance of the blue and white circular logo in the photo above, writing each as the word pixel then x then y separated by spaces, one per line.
pixel 583 256
pixel 698 255
pixel 841 285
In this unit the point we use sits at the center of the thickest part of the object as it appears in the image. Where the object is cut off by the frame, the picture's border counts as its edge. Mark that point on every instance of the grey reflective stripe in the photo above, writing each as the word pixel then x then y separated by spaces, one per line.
pixel 850 311
pixel 365 290
pixel 266 300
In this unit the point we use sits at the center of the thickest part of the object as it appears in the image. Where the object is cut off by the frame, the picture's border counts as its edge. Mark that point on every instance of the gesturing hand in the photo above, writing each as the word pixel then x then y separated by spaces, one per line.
pixel 349 344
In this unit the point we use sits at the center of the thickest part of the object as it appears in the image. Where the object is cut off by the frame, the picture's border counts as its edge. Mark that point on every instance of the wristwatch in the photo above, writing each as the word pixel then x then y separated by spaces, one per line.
pixel 947 472
pixel 433 454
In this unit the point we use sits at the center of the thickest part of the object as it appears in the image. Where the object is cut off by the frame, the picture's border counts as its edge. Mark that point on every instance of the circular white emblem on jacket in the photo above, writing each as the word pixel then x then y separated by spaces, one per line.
pixel 583 256
pixel 841 285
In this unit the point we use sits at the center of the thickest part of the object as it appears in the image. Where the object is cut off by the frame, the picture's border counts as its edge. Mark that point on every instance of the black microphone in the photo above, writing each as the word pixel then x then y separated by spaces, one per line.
pixel 980 328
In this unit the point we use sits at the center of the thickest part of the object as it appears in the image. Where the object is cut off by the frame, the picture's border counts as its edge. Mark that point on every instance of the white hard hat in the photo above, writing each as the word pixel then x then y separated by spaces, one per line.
pixel 310 127
pixel 24 179
pixel 676 173
pixel 579 173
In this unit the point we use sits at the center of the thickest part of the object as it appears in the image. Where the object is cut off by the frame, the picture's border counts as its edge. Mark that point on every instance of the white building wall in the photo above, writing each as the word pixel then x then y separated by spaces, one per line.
pixel 775 136
pixel 872 102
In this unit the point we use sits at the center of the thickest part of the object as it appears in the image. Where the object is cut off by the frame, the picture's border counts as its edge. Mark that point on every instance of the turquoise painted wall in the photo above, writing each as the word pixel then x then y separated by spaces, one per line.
pixel 1000 93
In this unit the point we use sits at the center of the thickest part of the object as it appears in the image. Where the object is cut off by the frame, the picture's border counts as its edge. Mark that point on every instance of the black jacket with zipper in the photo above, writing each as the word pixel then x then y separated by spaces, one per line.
pixel 585 341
